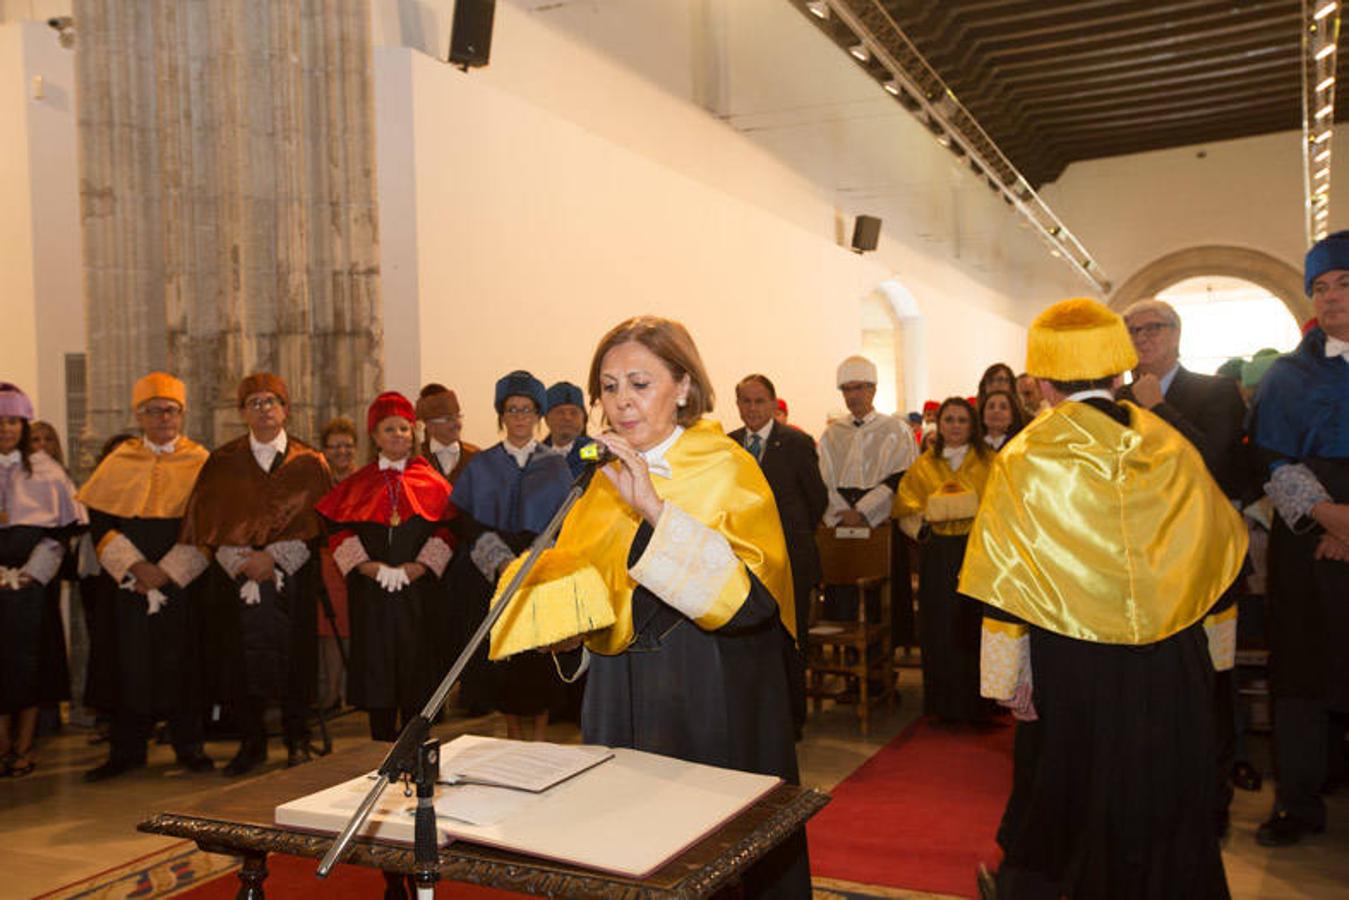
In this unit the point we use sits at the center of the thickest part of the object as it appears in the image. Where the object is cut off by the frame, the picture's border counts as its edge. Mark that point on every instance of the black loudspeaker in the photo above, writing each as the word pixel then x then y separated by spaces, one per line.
pixel 866 232
pixel 471 32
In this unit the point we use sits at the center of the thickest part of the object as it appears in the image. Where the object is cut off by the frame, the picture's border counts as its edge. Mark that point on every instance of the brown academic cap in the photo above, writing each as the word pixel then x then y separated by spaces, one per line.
pixel 263 382
pixel 440 405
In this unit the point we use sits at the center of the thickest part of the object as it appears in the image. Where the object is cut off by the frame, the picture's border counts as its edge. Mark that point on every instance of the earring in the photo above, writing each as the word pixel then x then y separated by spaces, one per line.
pixel 682 402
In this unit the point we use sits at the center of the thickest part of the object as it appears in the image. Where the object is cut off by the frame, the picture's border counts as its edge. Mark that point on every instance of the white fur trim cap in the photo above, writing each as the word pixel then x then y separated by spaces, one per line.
pixel 856 368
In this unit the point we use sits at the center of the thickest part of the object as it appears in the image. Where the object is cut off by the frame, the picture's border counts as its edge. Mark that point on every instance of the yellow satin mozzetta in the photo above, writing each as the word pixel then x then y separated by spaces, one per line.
pixel 931 474
pixel 134 482
pixel 1102 533
pixel 718 484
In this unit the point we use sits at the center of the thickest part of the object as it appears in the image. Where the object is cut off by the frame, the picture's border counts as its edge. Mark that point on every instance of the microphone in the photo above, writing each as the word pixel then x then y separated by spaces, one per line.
pixel 596 454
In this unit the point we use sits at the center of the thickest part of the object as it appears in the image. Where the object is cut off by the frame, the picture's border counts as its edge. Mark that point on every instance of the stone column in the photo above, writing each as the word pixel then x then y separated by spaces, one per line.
pixel 228 204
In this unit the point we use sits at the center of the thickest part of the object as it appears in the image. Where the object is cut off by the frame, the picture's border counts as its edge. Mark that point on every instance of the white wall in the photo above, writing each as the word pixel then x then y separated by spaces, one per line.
pixel 1131 210
pixel 39 221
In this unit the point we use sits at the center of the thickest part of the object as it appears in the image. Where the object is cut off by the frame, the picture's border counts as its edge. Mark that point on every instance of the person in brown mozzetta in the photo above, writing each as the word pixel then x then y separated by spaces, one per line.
pixel 253 506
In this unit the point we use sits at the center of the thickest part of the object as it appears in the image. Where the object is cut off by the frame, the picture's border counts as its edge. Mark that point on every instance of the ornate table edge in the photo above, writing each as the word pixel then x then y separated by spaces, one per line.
pixel 525 876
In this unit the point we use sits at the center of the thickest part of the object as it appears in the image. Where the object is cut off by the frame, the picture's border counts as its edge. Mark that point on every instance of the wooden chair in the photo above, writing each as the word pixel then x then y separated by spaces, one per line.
pixel 859 649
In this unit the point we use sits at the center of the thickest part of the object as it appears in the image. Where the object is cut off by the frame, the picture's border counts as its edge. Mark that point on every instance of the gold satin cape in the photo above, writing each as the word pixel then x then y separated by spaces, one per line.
pixel 1102 533
pixel 713 480
pixel 134 482
pixel 930 474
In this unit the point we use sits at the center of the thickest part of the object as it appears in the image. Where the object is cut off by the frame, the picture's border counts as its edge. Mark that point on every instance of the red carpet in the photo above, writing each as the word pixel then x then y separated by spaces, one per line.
pixel 921 814
pixel 293 876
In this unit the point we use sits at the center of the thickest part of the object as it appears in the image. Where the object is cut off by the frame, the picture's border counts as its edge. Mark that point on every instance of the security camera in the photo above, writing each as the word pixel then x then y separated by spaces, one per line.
pixel 64 26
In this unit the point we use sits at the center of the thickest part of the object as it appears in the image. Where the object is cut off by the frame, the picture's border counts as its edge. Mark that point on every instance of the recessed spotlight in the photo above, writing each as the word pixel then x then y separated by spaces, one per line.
pixel 860 52
pixel 818 8
pixel 892 86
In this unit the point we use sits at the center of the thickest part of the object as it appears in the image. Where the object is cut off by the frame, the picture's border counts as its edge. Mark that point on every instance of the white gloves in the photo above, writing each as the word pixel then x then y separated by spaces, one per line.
pixel 392 579
pixel 251 592
pixel 9 578
pixel 154 597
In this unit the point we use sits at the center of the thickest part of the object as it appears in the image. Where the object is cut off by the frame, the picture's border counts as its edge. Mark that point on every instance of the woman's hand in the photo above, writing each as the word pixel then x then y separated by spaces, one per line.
pixel 1334 518
pixel 632 479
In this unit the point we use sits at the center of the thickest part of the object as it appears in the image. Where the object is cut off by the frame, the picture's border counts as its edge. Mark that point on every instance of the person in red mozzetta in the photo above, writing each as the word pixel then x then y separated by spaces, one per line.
pixel 387 530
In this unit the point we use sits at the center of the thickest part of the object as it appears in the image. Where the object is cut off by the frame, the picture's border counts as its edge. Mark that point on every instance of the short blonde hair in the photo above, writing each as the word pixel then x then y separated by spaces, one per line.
pixel 1152 304
pixel 670 341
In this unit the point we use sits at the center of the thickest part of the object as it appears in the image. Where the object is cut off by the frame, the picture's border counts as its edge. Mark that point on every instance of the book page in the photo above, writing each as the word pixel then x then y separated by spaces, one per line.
pixel 535 766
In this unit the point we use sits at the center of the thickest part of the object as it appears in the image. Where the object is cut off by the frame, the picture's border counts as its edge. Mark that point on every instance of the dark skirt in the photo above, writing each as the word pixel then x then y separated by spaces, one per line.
pixel 949 629
pixel 1120 800
pixel 24 625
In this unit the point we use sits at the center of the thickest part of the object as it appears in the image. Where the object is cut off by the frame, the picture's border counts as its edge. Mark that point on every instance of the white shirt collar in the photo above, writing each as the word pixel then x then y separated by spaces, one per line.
pixel 520 454
pixel 1337 347
pixel 995 442
pixel 437 446
pixel 564 449
pixel 954 456
pixel 160 448
pixel 386 463
pixel 12 458
pixel 1094 392
pixel 276 444
pixel 762 432
pixel 655 457
pixel 865 420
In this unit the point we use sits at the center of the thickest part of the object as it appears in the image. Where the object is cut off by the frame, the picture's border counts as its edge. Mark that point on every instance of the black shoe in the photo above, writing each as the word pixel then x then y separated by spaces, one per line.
pixel 1245 776
pixel 249 757
pixel 111 769
pixel 1283 830
pixel 988 883
pixel 298 755
pixel 196 761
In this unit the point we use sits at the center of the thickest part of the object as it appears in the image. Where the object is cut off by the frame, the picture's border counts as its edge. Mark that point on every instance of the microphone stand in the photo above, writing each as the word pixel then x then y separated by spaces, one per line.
pixel 403 758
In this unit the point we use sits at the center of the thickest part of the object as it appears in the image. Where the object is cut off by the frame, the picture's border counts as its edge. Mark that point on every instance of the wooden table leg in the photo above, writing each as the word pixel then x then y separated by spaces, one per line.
pixel 251 876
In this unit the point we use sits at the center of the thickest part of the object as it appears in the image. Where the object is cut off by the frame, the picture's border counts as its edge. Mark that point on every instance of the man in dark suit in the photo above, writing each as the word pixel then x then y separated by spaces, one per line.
pixel 792 468
pixel 1209 411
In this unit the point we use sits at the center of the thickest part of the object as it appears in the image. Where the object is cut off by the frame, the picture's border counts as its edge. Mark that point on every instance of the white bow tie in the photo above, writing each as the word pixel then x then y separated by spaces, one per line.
pixel 1337 347
pixel 390 464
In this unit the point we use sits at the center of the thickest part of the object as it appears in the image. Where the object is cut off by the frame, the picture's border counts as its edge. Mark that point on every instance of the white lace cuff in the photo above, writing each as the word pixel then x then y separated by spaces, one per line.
pixel 489 554
pixel 44 561
pixel 435 555
pixel 1295 490
pixel 183 563
pixel 1004 658
pixel 349 554
pixel 232 559
pixel 876 504
pixel 1221 631
pixel 692 568
pixel 117 554
pixel 289 555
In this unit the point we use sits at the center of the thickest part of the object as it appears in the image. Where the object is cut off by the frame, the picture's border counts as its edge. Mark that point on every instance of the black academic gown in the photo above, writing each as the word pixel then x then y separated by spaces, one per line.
pixel 392 663
pixel 158 670
pixel 23 623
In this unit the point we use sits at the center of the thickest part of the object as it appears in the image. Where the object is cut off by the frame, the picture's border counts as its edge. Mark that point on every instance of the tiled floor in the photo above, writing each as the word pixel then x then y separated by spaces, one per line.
pixel 55 830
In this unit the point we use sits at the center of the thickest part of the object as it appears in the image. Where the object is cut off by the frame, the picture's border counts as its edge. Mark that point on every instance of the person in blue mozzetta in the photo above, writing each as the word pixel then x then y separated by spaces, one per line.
pixel 565 413
pixel 1300 431
pixel 508 493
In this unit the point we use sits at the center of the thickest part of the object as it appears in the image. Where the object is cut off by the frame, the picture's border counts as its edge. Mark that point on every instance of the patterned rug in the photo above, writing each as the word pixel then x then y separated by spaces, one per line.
pixel 182 868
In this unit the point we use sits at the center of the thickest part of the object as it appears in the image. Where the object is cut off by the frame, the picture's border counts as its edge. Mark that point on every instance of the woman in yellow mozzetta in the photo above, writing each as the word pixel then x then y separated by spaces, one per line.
pixel 935 505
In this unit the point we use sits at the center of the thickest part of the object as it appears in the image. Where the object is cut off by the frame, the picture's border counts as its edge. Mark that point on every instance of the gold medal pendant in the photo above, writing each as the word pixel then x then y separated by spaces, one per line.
pixel 395 519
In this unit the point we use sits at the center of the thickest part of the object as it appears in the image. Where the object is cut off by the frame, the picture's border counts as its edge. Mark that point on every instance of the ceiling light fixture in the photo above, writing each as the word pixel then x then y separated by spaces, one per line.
pixel 1325 51
pixel 1324 11
pixel 818 8
pixel 860 52
pixel 892 87
pixel 1325 111
pixel 1325 83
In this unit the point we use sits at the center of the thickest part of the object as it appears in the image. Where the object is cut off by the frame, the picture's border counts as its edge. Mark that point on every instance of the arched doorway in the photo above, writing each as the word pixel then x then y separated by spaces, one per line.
pixel 1274 275
pixel 1223 317
pixel 893 338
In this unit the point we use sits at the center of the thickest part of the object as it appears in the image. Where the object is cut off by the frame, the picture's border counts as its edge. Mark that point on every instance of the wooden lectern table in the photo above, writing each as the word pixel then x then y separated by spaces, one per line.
pixel 240 821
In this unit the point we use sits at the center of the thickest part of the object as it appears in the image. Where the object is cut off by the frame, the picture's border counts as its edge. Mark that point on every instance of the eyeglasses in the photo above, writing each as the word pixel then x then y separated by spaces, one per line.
pixel 1152 329
pixel 161 412
pixel 261 404
pixel 335 447
pixel 518 411
pixel 446 420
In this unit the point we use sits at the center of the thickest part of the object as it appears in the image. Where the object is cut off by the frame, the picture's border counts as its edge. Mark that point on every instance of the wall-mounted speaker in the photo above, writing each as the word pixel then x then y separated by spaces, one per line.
pixel 471 33
pixel 866 233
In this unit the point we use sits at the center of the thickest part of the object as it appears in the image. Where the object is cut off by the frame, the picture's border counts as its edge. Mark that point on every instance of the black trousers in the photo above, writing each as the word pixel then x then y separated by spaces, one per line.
pixel 131 731
pixel 1308 748
pixel 294 719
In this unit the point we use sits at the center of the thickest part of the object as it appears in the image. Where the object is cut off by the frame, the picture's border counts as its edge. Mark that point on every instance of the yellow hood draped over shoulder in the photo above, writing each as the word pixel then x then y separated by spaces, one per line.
pixel 134 482
pixel 1103 533
pixel 715 482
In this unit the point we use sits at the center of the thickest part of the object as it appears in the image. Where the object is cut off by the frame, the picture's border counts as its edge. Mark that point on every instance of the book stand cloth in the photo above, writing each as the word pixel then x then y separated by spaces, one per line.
pixel 239 821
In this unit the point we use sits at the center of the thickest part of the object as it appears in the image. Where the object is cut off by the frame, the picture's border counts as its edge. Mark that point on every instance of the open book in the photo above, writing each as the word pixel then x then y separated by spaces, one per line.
pixel 618 810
